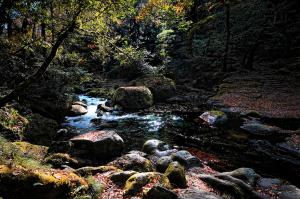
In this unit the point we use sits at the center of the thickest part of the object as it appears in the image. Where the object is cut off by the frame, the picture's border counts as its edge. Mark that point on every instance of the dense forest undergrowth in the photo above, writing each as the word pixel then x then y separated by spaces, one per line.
pixel 149 99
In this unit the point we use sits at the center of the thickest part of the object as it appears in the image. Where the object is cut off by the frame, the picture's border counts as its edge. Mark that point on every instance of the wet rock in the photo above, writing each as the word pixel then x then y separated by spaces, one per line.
pixel 256 127
pixel 77 110
pixel 152 146
pixel 289 192
pixel 176 175
pixel 160 192
pixel 232 187
pixel 98 144
pixel 138 97
pixel 161 86
pixel 40 130
pixel 291 145
pixel 163 163
pixel 104 108
pixel 268 183
pixel 88 170
pixel 80 103
pixel 197 194
pixel 133 162
pixel 185 158
pixel 214 118
pixel 122 177
pixel 137 181
pixel 247 175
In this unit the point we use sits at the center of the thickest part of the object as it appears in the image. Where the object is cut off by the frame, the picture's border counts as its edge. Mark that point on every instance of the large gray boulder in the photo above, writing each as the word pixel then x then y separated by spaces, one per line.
pixel 98 144
pixel 133 161
pixel 162 87
pixel 133 97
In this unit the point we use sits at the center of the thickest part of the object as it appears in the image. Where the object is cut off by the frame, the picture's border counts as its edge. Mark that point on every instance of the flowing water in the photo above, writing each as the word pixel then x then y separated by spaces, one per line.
pixel 230 145
pixel 134 127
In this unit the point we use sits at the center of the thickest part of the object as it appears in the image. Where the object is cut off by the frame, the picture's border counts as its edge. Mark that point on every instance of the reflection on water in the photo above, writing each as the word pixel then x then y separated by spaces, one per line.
pixel 133 127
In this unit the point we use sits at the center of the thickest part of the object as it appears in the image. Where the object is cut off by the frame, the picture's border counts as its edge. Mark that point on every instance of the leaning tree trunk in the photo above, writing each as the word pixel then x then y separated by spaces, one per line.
pixel 19 89
pixel 227 24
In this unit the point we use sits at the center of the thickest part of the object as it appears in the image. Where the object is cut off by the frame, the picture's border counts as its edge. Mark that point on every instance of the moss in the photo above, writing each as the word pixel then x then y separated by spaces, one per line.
pixel 217 113
pixel 54 183
pixel 22 154
pixel 86 171
pixel 101 92
pixel 30 150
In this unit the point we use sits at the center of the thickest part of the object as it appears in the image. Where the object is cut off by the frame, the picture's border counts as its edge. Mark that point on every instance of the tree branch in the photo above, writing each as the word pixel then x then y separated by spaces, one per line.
pixel 19 89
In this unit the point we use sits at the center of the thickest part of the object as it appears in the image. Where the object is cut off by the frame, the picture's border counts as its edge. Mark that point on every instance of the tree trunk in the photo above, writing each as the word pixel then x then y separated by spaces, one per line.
pixel 227 24
pixel 24 26
pixel 9 28
pixel 43 31
pixel 33 36
pixel 52 22
pixel 19 89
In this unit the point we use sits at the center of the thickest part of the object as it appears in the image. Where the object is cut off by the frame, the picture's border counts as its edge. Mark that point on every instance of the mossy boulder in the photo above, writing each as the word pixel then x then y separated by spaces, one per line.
pixel 176 175
pixel 17 183
pixel 101 92
pixel 137 181
pixel 133 98
pixel 36 152
pixel 162 87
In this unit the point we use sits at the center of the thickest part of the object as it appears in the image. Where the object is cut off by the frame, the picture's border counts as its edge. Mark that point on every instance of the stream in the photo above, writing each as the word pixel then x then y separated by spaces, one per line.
pixel 225 148
pixel 134 127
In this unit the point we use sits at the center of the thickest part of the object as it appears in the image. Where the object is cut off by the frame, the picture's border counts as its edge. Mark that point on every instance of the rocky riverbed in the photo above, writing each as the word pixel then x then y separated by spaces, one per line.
pixel 104 150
